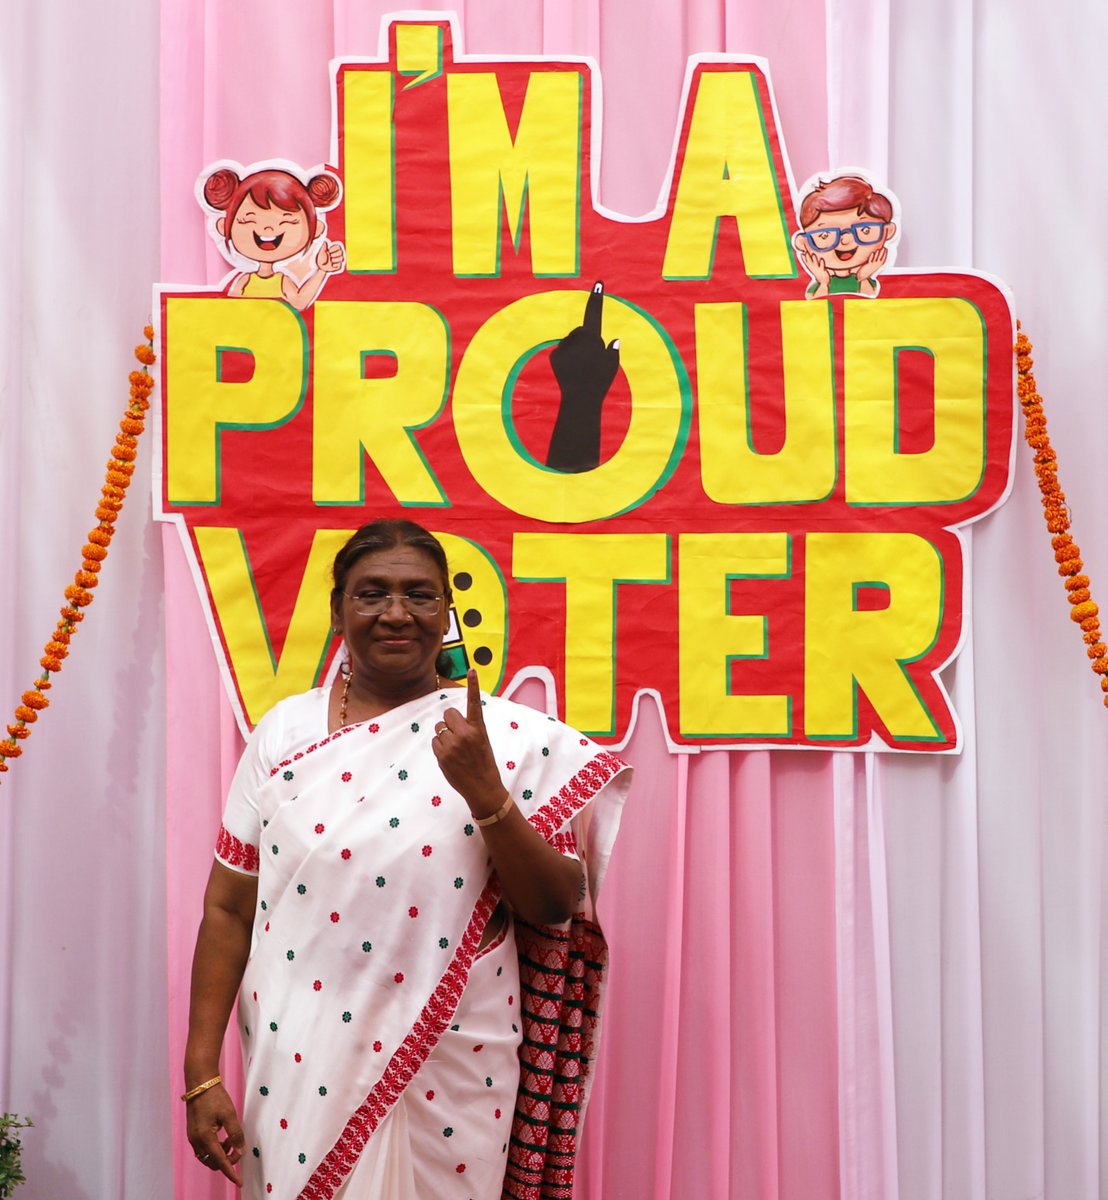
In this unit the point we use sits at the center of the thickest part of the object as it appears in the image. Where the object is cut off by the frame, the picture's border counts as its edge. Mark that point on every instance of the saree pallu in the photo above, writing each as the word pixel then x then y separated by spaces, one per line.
pixel 374 891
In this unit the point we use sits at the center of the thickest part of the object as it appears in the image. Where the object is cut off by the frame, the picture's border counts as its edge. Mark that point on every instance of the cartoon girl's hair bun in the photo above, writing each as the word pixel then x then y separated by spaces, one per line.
pixel 324 190
pixel 219 187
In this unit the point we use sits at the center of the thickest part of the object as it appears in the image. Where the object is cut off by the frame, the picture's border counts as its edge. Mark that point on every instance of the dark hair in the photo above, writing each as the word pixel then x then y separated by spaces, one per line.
pixel 386 534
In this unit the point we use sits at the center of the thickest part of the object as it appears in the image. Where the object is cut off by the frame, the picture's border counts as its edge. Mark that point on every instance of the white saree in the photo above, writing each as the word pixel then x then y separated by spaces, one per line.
pixel 380 1048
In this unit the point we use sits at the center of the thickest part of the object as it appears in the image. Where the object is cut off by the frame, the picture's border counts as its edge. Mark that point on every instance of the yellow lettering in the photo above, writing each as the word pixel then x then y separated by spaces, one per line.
pixel 711 636
pixel 591 565
pixel 951 331
pixel 353 414
pixel 539 168
pixel 506 470
pixel 728 171
pixel 369 199
pixel 201 334
pixel 848 647
pixel 805 467
pixel 262 679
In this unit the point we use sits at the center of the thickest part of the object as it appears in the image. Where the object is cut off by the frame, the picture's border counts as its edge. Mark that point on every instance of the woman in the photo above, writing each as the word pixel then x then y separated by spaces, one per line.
pixel 378 838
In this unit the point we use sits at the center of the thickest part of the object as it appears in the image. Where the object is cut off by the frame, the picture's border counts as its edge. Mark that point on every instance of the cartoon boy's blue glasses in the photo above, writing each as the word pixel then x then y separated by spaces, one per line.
pixel 865 233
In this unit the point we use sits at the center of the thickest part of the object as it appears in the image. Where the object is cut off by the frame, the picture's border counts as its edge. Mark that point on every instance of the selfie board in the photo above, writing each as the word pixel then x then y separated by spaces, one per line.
pixel 723 454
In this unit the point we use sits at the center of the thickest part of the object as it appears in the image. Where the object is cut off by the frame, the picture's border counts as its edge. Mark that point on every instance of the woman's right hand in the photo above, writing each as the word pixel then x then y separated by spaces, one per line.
pixel 210 1113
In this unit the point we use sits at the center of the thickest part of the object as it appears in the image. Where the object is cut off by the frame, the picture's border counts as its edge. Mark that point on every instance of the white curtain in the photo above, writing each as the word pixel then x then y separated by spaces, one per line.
pixel 967 937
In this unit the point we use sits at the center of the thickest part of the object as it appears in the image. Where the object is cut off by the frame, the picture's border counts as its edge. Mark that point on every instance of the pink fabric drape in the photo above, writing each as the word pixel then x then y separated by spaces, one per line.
pixel 877 978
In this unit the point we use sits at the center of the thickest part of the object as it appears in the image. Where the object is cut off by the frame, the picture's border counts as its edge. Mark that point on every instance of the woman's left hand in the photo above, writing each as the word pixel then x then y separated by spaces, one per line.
pixel 461 744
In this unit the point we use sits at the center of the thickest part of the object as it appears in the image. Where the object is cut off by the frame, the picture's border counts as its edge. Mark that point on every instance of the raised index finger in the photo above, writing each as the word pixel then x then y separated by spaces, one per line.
pixel 594 309
pixel 473 699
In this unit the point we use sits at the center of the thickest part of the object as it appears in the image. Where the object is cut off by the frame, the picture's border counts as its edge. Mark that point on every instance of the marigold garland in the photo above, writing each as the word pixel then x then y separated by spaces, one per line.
pixel 1067 554
pixel 120 468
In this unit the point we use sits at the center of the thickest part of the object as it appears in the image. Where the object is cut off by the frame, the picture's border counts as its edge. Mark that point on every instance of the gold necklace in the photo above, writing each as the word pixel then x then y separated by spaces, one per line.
pixel 346 694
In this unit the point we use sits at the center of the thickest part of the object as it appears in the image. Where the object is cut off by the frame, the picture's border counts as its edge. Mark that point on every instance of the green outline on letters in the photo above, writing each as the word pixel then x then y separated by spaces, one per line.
pixel 444 500
pixel 221 426
pixel 614 613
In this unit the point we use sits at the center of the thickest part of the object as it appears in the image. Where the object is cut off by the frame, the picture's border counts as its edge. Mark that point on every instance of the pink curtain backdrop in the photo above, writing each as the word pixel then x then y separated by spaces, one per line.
pixel 856 976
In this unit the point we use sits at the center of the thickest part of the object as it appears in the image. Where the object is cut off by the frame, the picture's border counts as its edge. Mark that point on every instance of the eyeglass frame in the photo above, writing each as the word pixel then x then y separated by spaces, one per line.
pixel 404 598
pixel 809 234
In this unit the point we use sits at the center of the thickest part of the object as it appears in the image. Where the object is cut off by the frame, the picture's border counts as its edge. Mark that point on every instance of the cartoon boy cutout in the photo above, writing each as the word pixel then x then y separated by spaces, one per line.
pixel 844 239
pixel 269 216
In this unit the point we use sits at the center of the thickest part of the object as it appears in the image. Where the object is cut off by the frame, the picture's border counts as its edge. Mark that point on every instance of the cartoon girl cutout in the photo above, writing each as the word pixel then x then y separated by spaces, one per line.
pixel 845 236
pixel 269 216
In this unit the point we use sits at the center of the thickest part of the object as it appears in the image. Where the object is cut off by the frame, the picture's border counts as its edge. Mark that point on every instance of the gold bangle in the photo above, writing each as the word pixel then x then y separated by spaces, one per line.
pixel 499 815
pixel 201 1087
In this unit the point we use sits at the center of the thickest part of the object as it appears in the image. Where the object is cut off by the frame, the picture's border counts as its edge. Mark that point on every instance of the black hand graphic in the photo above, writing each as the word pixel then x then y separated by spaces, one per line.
pixel 584 368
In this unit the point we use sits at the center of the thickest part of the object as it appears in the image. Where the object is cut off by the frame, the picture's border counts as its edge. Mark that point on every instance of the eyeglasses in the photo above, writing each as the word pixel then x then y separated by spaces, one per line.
pixel 372 602
pixel 865 233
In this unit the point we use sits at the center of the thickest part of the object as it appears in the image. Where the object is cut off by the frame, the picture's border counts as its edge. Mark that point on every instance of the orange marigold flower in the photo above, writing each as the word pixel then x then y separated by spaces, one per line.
pixel 26 714
pixel 9 749
pixel 58 649
pixel 1077 581
pixel 121 463
pixel 111 491
pixel 1069 568
pixel 51 662
pixel 1100 665
pixel 78 595
pixel 123 451
pixel 96 553
pixel 19 731
pixel 1079 596
pixel 132 426
pixel 63 635
pixel 35 699
pixel 85 579
pixel 145 355
pixel 1082 612
pixel 1066 552
pixel 72 613
pixel 98 536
